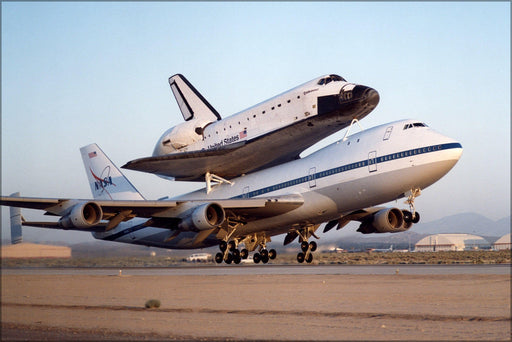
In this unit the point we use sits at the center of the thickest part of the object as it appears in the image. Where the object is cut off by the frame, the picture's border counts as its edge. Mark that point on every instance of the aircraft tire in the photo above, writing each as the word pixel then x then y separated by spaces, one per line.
pixel 256 258
pixel 304 246
pixel 416 217
pixel 236 253
pixel 264 254
pixel 219 258
pixel 231 246
pixel 300 257
pixel 237 260
pixel 309 259
pixel 229 259
pixel 244 253
pixel 272 254
pixel 313 246
pixel 223 245
pixel 407 216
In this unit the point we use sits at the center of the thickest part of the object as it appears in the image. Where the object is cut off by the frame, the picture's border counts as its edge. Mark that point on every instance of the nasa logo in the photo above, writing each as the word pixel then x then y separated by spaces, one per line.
pixel 104 180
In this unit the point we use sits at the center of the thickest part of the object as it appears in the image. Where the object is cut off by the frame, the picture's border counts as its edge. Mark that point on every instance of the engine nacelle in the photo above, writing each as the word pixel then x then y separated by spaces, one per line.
pixel 180 136
pixel 203 217
pixel 83 215
pixel 389 220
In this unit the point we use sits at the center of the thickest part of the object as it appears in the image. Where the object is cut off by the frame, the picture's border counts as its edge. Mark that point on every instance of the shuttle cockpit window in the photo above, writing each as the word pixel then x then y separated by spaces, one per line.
pixel 331 78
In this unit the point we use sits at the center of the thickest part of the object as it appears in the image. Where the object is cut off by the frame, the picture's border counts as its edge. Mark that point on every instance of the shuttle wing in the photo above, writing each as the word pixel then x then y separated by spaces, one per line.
pixel 244 157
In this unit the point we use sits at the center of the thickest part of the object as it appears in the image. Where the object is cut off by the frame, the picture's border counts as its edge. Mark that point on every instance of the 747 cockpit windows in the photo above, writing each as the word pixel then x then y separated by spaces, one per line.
pixel 416 124
pixel 331 78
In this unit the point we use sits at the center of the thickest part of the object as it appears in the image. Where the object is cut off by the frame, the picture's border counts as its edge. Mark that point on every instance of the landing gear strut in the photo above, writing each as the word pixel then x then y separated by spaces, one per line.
pixel 414 215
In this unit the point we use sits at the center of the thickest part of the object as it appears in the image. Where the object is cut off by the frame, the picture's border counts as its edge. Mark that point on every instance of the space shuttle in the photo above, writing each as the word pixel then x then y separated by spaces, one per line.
pixel 207 147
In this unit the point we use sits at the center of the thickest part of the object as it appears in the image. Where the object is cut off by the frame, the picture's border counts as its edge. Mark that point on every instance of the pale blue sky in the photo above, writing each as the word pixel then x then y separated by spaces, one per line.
pixel 76 73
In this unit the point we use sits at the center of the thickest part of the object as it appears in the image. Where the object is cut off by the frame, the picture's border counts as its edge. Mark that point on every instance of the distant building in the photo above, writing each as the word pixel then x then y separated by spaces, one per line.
pixel 502 243
pixel 32 250
pixel 451 242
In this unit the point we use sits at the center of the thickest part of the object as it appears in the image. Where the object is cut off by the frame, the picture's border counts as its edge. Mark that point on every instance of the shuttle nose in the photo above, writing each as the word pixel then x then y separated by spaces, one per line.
pixel 367 97
pixel 372 97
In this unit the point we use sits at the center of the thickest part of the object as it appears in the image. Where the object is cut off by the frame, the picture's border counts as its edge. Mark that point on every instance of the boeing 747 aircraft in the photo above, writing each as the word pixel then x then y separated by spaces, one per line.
pixel 268 134
pixel 342 182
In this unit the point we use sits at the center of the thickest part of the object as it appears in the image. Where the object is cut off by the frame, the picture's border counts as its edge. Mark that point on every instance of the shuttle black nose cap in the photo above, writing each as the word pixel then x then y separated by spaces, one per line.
pixel 372 97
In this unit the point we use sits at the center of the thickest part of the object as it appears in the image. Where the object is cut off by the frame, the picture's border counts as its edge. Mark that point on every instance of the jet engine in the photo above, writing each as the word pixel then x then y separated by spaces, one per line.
pixel 83 215
pixel 203 217
pixel 390 220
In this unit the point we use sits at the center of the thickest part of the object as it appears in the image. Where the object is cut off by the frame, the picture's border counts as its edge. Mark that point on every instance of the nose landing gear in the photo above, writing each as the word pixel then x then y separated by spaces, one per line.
pixel 414 216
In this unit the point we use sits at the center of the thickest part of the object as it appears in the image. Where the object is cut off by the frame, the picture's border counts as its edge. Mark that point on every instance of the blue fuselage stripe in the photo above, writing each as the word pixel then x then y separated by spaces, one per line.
pixel 350 167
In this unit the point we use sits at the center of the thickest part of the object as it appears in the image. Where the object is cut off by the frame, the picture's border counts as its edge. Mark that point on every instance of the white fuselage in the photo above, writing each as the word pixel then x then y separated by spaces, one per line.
pixel 375 166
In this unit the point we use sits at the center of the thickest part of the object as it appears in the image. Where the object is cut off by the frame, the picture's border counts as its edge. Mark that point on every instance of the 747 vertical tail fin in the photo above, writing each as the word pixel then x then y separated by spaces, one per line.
pixel 105 179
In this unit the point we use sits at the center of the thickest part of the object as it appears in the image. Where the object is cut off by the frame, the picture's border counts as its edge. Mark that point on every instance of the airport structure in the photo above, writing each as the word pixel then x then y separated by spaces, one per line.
pixel 451 242
pixel 502 243
pixel 32 250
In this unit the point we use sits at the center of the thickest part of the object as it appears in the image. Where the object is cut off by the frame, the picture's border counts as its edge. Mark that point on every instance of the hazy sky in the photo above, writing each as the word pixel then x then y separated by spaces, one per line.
pixel 76 73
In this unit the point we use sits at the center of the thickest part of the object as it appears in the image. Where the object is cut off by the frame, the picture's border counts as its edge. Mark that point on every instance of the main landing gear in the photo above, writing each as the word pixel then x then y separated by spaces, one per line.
pixel 307 251
pixel 307 247
pixel 230 253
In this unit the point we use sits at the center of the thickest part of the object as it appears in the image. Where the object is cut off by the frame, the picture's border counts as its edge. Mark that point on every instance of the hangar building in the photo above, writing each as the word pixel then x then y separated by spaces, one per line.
pixel 502 243
pixel 451 242
pixel 32 250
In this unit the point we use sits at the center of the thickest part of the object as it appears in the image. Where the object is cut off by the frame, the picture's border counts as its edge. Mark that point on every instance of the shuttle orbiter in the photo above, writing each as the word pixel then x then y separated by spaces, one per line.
pixel 268 134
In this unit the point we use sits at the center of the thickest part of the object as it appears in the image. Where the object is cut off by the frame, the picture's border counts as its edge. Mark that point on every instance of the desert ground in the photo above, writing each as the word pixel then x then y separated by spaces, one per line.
pixel 259 307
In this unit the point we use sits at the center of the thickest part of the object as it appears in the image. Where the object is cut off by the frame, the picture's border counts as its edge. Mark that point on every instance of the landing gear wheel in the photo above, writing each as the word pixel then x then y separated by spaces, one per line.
pixel 229 259
pixel 236 254
pixel 312 246
pixel 264 253
pixel 223 246
pixel 416 217
pixel 256 258
pixel 309 259
pixel 407 216
pixel 244 253
pixel 219 258
pixel 272 254
pixel 231 246
pixel 237 260
pixel 264 256
pixel 300 257
pixel 304 246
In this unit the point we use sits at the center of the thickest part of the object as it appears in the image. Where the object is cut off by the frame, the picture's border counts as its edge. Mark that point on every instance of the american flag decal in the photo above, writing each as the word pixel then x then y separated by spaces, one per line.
pixel 92 154
pixel 243 134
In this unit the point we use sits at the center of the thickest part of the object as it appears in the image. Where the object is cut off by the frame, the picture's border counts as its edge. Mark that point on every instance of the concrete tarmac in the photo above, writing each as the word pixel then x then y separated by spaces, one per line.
pixel 294 303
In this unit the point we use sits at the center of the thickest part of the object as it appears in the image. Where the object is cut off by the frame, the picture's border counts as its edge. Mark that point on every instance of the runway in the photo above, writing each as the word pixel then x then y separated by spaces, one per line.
pixel 272 269
pixel 274 303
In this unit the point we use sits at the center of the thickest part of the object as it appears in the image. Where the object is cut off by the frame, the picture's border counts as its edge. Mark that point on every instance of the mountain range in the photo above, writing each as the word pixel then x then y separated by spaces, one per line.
pixel 466 223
